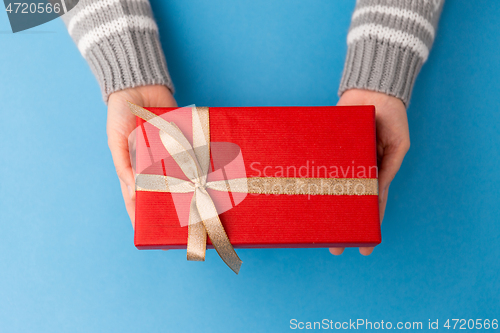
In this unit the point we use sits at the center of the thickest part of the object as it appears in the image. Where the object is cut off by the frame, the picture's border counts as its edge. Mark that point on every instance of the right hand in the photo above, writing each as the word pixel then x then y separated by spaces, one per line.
pixel 121 122
pixel 393 141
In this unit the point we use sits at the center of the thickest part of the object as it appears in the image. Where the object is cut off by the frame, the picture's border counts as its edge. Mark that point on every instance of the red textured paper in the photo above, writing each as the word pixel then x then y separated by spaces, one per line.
pixel 282 136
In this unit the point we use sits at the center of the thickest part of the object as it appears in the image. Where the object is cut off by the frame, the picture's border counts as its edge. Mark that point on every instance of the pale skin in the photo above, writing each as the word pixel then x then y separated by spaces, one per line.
pixel 393 138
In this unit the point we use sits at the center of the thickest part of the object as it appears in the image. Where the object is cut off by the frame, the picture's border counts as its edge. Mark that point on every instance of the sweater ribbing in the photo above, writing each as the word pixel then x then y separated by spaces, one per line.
pixel 120 41
pixel 388 42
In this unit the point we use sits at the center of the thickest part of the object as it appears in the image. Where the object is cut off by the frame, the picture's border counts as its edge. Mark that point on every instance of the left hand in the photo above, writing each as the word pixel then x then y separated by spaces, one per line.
pixel 121 122
pixel 393 141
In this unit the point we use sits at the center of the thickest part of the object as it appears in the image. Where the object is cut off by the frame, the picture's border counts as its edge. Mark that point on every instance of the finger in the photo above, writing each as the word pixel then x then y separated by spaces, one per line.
pixel 382 202
pixel 366 251
pixel 129 202
pixel 336 251
pixel 121 160
pixel 391 161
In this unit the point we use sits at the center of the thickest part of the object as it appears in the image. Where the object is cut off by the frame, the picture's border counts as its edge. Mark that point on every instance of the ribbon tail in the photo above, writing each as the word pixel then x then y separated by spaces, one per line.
pixel 222 244
pixel 215 230
pixel 197 235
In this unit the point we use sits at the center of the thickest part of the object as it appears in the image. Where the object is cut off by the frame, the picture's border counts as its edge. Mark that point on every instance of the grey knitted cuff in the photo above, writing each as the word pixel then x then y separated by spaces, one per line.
pixel 388 42
pixel 119 39
pixel 380 66
pixel 128 59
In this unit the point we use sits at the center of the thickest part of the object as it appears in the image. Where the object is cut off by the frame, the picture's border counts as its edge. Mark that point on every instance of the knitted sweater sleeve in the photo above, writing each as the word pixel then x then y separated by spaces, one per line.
pixel 388 42
pixel 119 39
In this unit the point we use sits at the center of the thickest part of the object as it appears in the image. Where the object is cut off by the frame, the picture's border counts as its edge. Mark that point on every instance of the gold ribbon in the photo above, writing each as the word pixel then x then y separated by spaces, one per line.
pixel 194 162
pixel 264 185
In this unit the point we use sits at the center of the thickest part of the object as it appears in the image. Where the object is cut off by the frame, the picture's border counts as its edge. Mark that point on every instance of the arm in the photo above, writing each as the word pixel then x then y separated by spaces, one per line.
pixel 119 39
pixel 388 42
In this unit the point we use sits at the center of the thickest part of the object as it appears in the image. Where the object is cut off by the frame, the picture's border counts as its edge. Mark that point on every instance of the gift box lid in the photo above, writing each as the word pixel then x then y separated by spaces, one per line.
pixel 331 145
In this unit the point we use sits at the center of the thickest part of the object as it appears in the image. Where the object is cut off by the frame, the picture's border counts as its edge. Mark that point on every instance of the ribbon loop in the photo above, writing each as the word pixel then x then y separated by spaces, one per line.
pixel 181 151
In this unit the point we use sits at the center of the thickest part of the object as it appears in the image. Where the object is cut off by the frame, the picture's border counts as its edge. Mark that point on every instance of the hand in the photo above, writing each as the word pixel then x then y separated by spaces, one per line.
pixel 121 122
pixel 393 141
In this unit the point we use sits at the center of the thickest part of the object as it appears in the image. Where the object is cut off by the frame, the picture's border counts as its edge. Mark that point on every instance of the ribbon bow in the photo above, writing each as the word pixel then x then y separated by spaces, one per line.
pixel 194 162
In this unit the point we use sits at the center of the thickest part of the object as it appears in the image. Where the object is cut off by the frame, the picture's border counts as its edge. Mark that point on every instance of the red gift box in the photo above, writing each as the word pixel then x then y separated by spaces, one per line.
pixel 336 142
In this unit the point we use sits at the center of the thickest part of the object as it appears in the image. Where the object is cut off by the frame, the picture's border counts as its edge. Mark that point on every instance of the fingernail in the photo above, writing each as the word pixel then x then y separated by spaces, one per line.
pixel 130 191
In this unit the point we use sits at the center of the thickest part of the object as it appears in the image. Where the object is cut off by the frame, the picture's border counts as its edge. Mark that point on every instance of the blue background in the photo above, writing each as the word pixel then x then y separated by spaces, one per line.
pixel 67 259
